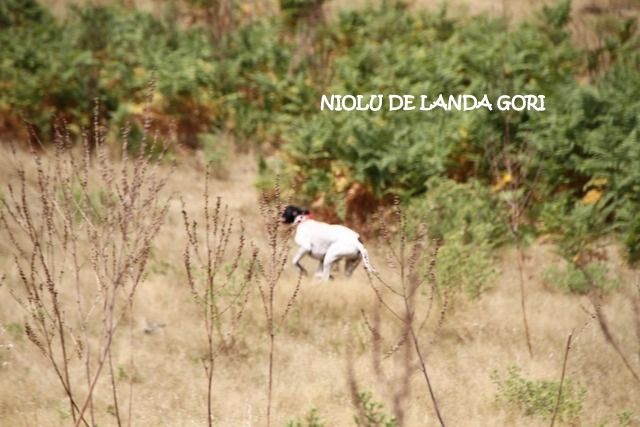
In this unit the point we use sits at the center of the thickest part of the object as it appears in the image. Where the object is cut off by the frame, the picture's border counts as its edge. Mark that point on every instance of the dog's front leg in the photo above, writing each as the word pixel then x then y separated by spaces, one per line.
pixel 319 269
pixel 296 260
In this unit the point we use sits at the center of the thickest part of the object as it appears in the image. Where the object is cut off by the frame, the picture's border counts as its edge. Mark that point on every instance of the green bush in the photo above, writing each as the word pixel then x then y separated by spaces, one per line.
pixel 216 153
pixel 52 69
pixel 468 211
pixel 589 149
pixel 372 413
pixel 576 227
pixel 624 418
pixel 538 397
pixel 311 420
pixel 397 152
pixel 465 218
pixel 465 267
pixel 574 280
pixel 16 13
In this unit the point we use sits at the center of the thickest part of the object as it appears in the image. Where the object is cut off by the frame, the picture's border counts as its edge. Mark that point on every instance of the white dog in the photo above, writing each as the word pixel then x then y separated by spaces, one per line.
pixel 327 243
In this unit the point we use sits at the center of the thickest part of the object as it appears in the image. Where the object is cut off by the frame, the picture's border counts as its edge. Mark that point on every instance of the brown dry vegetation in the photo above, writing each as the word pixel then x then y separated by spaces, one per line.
pixel 313 347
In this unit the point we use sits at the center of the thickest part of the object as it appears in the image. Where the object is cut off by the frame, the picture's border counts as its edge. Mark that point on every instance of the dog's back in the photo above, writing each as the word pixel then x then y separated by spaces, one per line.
pixel 311 231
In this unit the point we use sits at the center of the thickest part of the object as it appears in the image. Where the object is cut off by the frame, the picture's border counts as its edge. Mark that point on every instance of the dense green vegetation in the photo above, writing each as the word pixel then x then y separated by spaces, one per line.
pixel 261 82
pixel 538 397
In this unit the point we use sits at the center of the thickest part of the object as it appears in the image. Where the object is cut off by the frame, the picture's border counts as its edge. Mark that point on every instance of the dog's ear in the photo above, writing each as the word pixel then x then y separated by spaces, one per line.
pixel 289 214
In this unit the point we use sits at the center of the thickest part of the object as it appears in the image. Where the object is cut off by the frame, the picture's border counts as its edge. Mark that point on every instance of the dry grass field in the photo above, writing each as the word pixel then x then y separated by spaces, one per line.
pixel 324 331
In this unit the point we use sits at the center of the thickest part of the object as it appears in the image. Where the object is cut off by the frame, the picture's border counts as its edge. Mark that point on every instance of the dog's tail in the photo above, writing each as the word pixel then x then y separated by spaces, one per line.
pixel 365 257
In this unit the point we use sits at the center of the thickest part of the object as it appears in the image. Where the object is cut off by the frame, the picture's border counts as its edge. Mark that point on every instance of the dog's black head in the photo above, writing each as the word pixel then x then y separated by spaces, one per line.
pixel 291 212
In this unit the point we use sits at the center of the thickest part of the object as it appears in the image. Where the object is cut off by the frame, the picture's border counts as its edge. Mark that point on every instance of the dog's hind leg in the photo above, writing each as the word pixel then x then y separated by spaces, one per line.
pixel 296 260
pixel 350 265
pixel 335 252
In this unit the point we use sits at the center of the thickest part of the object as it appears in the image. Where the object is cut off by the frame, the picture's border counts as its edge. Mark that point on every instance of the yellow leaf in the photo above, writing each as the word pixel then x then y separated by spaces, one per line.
pixel 505 179
pixel 137 108
pixel 341 178
pixel 341 184
pixel 139 72
pixel 592 196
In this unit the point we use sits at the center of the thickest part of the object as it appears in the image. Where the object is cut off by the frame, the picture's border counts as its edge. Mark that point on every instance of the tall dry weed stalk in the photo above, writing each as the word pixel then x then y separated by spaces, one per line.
pixel 414 262
pixel 635 301
pixel 270 269
pixel 565 359
pixel 596 299
pixel 572 338
pixel 516 179
pixel 81 240
pixel 219 283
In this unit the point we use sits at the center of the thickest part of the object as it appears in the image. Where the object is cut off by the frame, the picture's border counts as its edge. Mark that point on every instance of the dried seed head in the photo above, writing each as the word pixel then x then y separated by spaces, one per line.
pixel 31 335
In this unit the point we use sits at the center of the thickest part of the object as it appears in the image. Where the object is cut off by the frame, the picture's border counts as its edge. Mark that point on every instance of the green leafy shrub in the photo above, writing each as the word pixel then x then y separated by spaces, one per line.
pixel 216 153
pixel 52 69
pixel 15 13
pixel 589 146
pixel 466 210
pixel 398 152
pixel 574 280
pixel 465 218
pixel 372 413
pixel 624 418
pixel 576 227
pixel 311 420
pixel 465 267
pixel 578 230
pixel 538 397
